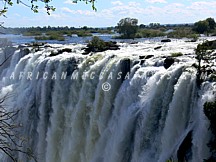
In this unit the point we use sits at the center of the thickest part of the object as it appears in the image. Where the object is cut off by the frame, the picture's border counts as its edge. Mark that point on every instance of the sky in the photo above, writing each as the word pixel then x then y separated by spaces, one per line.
pixel 109 12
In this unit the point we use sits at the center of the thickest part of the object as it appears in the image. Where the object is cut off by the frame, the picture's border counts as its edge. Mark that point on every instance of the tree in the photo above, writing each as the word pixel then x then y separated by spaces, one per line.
pixel 34 5
pixel 10 140
pixel 201 26
pixel 142 26
pixel 154 25
pixel 204 54
pixel 128 27
pixel 211 22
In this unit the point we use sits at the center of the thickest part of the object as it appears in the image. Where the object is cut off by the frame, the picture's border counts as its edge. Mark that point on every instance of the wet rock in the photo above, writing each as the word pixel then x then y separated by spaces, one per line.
pixel 47 46
pixel 168 62
pixel 192 40
pixel 68 50
pixel 21 46
pixel 141 57
pixel 145 57
pixel 166 40
pixel 125 68
pixel 24 51
pixel 184 152
pixel 156 48
pixel 149 56
pixel 134 42
pixel 136 62
pixel 35 44
pixel 60 51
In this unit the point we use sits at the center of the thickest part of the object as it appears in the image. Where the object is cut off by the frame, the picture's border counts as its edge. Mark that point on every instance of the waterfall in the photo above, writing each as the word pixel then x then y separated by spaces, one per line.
pixel 109 106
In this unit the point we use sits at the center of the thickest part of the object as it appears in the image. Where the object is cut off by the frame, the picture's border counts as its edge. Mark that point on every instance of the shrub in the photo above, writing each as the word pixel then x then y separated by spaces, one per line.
pixel 98 45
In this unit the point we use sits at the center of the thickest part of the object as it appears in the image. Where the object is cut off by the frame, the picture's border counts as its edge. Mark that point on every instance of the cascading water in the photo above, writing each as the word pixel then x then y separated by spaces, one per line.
pixel 108 107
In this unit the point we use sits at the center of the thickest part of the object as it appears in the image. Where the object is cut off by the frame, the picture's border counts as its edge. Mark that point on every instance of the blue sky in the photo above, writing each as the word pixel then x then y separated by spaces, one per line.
pixel 109 12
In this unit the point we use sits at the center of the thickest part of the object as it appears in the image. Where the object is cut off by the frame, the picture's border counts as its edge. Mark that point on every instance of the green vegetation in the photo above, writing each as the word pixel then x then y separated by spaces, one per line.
pixel 96 42
pixel 127 27
pixel 83 34
pixel 183 32
pixel 32 33
pixel 52 37
pixel 204 54
pixel 177 54
pixel 47 33
pixel 205 26
pixel 98 45
pixel 205 57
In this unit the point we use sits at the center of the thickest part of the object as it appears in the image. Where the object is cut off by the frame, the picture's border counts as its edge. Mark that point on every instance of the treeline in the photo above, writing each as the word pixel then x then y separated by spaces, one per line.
pixel 56 33
pixel 129 28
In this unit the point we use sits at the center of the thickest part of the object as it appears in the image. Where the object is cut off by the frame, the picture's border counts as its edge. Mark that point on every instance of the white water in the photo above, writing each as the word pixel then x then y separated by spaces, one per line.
pixel 145 118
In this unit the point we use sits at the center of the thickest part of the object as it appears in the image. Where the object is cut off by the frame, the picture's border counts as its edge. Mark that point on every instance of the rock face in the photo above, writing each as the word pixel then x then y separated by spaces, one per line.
pixel 166 40
pixel 60 51
pixel 146 57
pixel 168 62
pixel 125 68
pixel 184 152
pixel 158 47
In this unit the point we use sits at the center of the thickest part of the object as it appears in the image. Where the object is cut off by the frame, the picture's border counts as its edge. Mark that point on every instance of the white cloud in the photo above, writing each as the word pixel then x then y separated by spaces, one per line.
pixel 167 13
pixel 69 2
pixel 156 1
pixel 118 3
pixel 80 12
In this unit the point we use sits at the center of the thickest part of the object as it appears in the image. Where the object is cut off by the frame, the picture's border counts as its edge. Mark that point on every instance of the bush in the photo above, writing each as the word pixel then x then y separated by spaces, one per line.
pixel 96 42
pixel 98 45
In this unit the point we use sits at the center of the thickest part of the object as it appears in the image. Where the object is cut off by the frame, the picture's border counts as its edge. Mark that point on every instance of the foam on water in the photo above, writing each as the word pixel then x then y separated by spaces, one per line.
pixel 145 116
